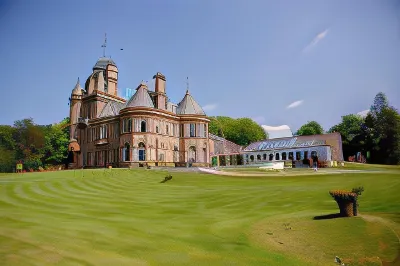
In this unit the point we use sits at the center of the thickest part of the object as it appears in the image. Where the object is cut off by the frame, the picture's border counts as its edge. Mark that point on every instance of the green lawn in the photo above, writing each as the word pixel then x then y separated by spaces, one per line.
pixel 127 217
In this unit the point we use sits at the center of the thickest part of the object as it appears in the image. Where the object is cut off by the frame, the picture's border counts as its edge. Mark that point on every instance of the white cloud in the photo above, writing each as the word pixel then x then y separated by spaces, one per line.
pixel 210 107
pixel 363 113
pixel 259 119
pixel 316 40
pixel 294 104
pixel 282 131
pixel 272 128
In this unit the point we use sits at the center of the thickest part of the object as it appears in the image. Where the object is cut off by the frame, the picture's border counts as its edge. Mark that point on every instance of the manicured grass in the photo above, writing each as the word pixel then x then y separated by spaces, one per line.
pixel 127 217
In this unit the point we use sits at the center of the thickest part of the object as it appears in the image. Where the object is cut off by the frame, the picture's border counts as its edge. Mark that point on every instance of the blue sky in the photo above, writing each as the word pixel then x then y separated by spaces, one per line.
pixel 249 58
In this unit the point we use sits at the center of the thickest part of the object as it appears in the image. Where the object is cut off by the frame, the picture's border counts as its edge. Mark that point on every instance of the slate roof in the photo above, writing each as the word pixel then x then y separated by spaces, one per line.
pixel 188 106
pixel 103 62
pixel 140 98
pixel 111 109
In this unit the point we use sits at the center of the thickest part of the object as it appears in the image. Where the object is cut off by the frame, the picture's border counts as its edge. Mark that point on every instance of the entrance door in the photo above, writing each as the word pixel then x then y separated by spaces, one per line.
pixel 142 155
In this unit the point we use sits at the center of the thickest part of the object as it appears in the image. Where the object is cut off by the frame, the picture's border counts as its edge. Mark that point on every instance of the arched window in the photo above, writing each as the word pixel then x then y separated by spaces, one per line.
pixel 127 152
pixel 271 156
pixel 156 129
pixel 258 157
pixel 143 126
pixel 277 156
pixel 284 156
pixel 192 154
pixel 167 130
pixel 265 157
pixel 142 151
pixel 252 158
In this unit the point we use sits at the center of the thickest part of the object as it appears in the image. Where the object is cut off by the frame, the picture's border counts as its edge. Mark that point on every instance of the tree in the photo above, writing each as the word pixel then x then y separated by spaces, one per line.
pixel 241 131
pixel 387 133
pixel 380 102
pixel 7 146
pixel 56 143
pixel 30 141
pixel 352 133
pixel 311 128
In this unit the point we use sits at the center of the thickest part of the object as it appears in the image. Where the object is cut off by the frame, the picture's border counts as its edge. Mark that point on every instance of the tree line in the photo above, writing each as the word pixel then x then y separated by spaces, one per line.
pixel 376 136
pixel 36 146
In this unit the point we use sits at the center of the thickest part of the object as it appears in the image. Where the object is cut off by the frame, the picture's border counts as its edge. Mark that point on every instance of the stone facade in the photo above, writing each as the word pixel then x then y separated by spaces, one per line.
pixel 145 130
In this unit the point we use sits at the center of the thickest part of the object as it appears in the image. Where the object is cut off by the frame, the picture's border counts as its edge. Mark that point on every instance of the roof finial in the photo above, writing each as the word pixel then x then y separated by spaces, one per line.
pixel 187 85
pixel 78 81
pixel 104 45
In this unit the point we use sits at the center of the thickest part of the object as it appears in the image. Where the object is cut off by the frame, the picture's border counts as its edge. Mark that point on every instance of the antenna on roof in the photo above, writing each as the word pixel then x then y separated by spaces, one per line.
pixel 104 45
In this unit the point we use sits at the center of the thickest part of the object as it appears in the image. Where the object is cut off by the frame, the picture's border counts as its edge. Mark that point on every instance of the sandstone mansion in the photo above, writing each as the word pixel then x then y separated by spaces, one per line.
pixel 147 129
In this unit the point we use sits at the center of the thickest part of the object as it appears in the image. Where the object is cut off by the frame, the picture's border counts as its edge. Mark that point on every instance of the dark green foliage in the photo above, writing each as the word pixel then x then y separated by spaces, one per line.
pixel 34 145
pixel 242 131
pixel 311 128
pixel 378 133
pixel 358 190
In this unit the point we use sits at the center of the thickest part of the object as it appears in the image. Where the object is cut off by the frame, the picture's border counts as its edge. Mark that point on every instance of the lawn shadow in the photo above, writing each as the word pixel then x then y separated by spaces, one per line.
pixel 328 216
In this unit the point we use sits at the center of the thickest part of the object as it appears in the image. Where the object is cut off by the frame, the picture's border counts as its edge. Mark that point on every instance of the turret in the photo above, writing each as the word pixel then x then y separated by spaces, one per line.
pixel 75 108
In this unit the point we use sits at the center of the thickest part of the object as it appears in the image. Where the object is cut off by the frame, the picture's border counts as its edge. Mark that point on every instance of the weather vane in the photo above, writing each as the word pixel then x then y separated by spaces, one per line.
pixel 104 45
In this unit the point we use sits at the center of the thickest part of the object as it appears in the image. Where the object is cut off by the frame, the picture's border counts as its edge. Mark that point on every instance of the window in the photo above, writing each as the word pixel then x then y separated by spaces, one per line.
pixel 166 130
pixel 271 156
pixel 277 156
pixel 258 157
pixel 103 132
pixel 290 155
pixel 126 152
pixel 156 129
pixel 143 126
pixel 127 125
pixel 298 156
pixel 192 130
pixel 284 156
pixel 181 131
pixel 306 155
pixel 265 157
pixel 251 157
pixel 142 152
pixel 205 130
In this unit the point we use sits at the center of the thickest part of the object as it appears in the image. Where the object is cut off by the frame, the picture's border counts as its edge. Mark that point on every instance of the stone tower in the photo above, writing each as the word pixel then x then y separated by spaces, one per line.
pixel 75 109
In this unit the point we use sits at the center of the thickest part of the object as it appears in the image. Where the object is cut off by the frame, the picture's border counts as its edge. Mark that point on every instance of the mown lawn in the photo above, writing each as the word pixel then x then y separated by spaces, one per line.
pixel 127 217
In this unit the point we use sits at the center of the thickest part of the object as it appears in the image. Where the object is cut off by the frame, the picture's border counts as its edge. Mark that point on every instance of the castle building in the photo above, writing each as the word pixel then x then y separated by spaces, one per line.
pixel 147 129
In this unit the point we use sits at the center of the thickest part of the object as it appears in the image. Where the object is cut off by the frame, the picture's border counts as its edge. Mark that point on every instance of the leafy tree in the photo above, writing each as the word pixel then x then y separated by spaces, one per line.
pixel 30 141
pixel 352 133
pixel 242 131
pixel 311 128
pixel 387 135
pixel 56 143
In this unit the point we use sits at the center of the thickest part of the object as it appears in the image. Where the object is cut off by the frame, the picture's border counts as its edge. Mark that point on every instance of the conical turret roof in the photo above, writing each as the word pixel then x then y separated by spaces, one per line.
pixel 188 106
pixel 78 89
pixel 141 98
